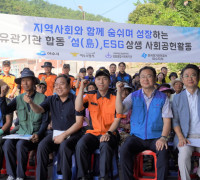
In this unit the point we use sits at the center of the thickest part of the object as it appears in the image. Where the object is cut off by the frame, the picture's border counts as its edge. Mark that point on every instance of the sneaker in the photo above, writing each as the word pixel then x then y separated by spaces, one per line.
pixel 20 178
pixel 10 178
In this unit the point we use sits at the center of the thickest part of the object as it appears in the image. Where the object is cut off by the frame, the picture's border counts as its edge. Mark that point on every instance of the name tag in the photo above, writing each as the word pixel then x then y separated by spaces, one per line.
pixel 94 103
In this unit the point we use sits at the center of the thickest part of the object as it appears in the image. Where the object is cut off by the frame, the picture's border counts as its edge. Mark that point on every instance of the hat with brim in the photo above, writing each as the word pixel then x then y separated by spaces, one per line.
pixel 43 82
pixel 47 64
pixel 102 72
pixel 82 70
pixel 164 89
pixel 176 80
pixel 66 66
pixel 126 86
pixel 27 73
pixel 6 62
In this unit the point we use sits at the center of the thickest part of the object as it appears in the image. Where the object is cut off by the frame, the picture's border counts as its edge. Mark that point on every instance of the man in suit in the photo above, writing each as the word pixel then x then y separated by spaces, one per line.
pixel 186 120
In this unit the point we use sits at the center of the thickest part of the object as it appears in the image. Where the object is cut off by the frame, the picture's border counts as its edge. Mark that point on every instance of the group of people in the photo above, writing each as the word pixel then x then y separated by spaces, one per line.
pixel 96 112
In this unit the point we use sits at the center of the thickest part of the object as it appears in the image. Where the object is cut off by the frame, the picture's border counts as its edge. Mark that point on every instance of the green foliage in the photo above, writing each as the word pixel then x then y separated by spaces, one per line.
pixel 167 13
pixel 41 8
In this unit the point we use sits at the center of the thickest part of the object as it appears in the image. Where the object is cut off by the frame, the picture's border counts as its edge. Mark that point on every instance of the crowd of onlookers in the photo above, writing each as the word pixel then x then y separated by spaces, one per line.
pixel 103 110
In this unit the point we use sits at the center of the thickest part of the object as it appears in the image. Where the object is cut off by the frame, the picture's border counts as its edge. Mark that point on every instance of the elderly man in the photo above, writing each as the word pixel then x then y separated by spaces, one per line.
pixel 66 128
pixel 30 124
pixel 186 119
pixel 150 123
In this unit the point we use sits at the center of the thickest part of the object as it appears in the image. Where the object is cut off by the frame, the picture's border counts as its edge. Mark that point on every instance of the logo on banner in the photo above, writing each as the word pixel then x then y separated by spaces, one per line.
pixel 108 55
pixel 157 57
pixel 41 53
pixel 144 55
pixel 88 55
pixel 74 54
pixel 122 55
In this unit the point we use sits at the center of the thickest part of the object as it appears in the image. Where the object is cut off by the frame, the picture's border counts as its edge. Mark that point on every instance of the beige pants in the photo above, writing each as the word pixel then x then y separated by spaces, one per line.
pixel 184 161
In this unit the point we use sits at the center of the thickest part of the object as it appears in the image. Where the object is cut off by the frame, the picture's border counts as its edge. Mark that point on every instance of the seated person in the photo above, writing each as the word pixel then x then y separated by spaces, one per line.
pixel 5 124
pixel 90 87
pixel 102 135
pixel 150 124
pixel 186 121
pixel 77 82
pixel 124 126
pixel 16 150
pixel 66 128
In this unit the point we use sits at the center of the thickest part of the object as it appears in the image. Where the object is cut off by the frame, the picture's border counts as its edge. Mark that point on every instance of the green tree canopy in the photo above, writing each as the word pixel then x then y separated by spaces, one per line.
pixel 184 13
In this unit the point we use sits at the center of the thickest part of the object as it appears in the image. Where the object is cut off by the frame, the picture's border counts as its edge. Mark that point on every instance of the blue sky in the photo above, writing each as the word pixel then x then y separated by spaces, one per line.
pixel 116 10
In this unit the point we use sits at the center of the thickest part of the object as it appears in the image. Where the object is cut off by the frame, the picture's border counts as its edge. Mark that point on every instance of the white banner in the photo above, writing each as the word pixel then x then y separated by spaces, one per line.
pixel 62 39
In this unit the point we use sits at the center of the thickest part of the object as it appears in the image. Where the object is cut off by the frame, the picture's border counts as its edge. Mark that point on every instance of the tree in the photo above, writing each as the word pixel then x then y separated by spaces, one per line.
pixel 168 13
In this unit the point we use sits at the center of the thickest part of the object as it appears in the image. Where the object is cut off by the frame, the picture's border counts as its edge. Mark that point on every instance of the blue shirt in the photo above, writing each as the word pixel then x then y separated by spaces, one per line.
pixel 113 81
pixel 90 79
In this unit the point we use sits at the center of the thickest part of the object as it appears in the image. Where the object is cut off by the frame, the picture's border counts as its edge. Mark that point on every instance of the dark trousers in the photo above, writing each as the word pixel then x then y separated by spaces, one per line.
pixel 19 148
pixel 86 146
pixel 1 151
pixel 65 151
pixel 132 146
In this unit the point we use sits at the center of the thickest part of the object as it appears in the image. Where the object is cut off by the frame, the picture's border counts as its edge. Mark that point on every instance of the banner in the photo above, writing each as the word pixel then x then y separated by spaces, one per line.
pixel 63 39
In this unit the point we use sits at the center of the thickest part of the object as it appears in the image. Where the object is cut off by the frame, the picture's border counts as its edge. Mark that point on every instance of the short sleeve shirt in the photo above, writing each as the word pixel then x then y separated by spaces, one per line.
pixel 102 111
pixel 10 80
pixel 50 80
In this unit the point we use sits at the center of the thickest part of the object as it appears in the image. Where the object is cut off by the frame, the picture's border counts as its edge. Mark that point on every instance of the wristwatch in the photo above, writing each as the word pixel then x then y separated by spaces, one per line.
pixel 110 133
pixel 165 138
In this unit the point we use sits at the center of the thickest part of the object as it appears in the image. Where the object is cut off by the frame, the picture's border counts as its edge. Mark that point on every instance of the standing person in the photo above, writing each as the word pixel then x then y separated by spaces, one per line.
pixel 160 78
pixel 186 121
pixel 113 77
pixel 8 79
pixel 5 124
pixel 90 71
pixel 65 70
pixel 149 128
pixel 122 75
pixel 49 77
pixel 41 87
pixel 177 84
pixel 164 70
pixel 80 76
pixel 102 135
pixel 172 77
pixel 65 124
pixel 16 150
pixel 136 81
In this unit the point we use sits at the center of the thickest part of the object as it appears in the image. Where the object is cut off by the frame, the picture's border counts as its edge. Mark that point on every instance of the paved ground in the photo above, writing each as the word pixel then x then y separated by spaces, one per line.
pixel 3 177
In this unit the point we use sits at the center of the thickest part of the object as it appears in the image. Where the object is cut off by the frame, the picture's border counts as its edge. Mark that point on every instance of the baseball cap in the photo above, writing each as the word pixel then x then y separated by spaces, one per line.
pixel 82 70
pixel 66 66
pixel 102 72
pixel 6 62
pixel 43 82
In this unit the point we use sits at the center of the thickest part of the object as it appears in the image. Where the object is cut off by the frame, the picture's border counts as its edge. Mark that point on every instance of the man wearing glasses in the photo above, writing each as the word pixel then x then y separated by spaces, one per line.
pixel 186 120
pixel 150 123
